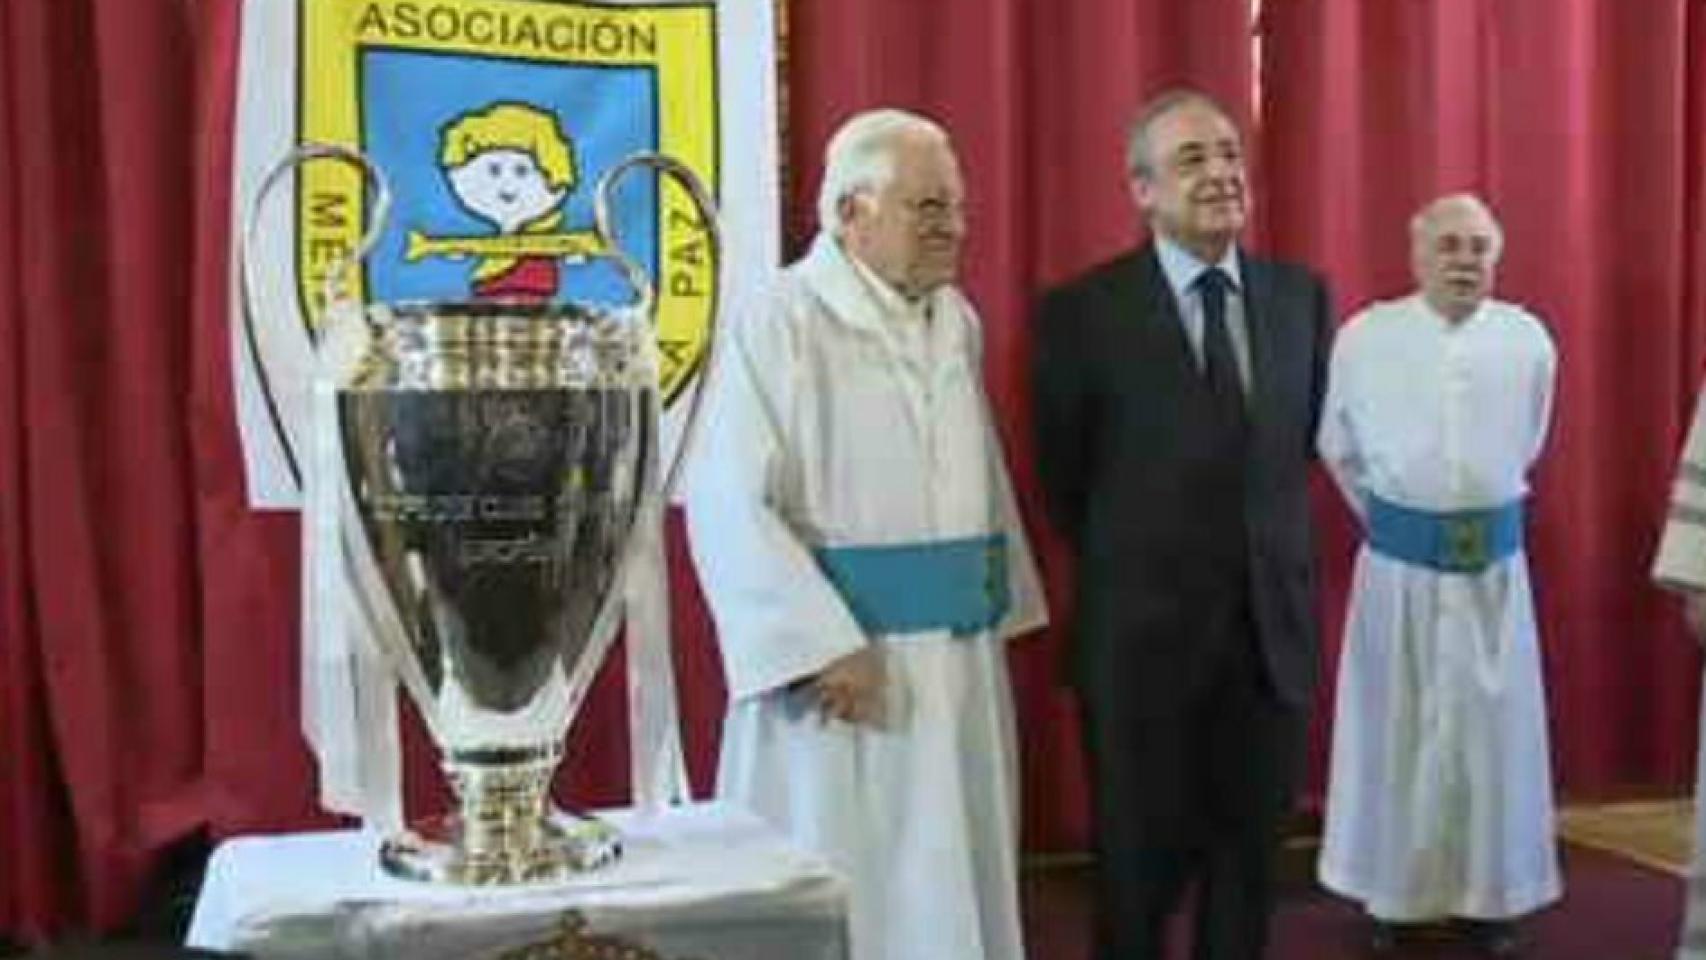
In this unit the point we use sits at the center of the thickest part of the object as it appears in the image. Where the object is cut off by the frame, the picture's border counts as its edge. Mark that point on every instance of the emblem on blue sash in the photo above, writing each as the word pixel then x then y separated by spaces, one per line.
pixel 1460 541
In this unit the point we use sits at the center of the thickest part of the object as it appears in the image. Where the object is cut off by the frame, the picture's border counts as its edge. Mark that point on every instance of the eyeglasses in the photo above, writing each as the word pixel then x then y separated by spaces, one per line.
pixel 934 209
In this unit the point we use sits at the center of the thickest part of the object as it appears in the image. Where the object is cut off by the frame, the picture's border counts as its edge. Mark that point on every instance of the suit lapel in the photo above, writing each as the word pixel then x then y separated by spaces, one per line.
pixel 1262 335
pixel 1160 310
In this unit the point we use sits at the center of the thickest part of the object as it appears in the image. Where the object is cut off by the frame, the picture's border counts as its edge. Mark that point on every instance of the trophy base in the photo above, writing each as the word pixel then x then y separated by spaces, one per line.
pixel 567 845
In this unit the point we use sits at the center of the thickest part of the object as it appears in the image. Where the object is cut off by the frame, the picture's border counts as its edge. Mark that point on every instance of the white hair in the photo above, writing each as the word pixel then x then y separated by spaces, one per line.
pixel 860 156
pixel 1421 225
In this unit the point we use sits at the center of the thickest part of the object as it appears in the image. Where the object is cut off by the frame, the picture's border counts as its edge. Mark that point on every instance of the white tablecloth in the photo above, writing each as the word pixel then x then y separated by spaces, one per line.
pixel 705 882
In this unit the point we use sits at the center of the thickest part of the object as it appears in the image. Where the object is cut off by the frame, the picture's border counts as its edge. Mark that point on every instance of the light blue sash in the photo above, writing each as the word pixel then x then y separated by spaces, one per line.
pixel 957 585
pixel 1463 541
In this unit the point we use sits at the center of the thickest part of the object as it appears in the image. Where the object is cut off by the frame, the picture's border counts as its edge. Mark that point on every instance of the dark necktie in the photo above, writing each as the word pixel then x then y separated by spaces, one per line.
pixel 1220 368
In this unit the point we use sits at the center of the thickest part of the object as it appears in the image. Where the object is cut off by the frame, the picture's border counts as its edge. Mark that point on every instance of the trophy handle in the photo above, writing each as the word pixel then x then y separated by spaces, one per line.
pixel 646 293
pixel 651 501
pixel 337 278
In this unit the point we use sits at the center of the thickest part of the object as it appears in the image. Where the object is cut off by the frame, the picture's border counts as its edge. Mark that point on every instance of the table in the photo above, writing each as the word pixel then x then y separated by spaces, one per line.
pixel 700 882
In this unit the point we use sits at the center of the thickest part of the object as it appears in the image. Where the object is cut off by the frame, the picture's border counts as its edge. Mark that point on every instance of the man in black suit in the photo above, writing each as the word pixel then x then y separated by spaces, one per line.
pixel 1177 390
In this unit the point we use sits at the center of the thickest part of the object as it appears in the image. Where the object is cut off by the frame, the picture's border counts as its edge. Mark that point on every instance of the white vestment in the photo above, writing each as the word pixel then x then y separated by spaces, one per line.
pixel 838 420
pixel 1440 793
pixel 1681 566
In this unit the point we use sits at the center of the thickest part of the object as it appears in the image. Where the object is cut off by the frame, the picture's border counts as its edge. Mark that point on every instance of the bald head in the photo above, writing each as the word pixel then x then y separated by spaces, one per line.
pixel 1455 243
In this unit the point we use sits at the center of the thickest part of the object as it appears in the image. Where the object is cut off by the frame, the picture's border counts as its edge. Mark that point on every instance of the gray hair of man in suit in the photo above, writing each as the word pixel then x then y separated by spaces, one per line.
pixel 1185 158
pixel 1139 150
pixel 1455 245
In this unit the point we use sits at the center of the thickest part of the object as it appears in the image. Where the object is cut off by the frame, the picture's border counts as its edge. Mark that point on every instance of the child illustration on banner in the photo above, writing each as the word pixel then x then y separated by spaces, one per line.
pixel 512 165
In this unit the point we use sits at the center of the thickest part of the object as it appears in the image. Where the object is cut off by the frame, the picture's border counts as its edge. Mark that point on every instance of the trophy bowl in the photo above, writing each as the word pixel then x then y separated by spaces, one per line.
pixel 497 459
pixel 498 456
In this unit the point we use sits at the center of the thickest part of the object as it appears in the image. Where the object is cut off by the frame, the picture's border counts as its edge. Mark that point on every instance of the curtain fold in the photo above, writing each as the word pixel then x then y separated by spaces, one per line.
pixel 148 620
pixel 1578 121
pixel 101 708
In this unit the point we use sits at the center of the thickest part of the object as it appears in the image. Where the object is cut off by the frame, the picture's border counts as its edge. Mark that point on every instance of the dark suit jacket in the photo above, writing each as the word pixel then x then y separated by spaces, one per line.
pixel 1121 459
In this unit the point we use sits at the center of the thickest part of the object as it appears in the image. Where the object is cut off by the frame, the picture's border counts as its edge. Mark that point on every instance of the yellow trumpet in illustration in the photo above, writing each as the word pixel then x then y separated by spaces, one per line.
pixel 572 245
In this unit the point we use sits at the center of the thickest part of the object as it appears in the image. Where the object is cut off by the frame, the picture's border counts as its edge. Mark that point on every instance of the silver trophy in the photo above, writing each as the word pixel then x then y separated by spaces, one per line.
pixel 499 457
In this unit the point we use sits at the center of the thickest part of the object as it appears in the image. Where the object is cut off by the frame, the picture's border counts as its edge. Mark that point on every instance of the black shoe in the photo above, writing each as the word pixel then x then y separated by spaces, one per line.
pixel 1496 938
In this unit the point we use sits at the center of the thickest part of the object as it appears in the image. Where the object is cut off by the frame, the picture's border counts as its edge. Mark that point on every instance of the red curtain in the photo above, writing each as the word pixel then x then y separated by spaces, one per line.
pixel 1580 121
pixel 148 674
pixel 101 719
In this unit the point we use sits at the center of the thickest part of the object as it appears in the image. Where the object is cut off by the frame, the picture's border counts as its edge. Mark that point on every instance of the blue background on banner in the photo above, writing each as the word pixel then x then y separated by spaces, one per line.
pixel 407 98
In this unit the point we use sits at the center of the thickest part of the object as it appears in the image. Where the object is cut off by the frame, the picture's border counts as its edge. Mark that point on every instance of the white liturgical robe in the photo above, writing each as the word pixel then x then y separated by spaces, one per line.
pixel 847 417
pixel 1681 566
pixel 1440 793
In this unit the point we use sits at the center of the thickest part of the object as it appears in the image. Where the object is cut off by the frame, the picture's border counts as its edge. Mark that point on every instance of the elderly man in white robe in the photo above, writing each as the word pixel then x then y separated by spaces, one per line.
pixel 855 533
pixel 1439 803
pixel 1680 565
